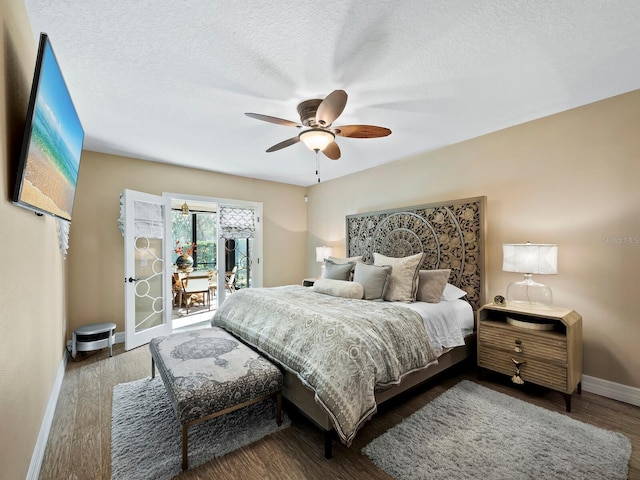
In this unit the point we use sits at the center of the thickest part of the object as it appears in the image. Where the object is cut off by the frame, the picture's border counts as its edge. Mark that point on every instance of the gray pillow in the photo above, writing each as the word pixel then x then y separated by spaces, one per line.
pixel 374 280
pixel 431 284
pixel 353 260
pixel 337 271
pixel 346 260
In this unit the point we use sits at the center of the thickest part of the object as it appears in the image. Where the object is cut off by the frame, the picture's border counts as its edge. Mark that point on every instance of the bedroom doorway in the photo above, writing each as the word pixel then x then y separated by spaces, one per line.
pixel 223 239
pixel 150 257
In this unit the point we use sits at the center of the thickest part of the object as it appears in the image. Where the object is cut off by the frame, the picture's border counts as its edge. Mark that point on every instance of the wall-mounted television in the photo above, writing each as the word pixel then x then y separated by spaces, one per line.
pixel 52 144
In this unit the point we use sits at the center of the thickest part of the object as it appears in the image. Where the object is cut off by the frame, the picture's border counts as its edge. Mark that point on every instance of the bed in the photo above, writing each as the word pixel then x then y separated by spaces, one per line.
pixel 342 357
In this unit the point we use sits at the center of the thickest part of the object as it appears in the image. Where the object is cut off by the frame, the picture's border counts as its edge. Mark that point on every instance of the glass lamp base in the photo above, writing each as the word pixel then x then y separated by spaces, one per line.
pixel 529 292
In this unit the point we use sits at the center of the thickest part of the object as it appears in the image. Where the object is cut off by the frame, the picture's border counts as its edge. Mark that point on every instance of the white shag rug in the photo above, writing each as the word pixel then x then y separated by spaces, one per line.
pixel 472 432
pixel 146 437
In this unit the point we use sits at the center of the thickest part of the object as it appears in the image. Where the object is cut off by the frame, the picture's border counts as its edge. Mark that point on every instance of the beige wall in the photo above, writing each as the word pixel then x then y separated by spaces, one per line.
pixel 96 255
pixel 32 281
pixel 571 179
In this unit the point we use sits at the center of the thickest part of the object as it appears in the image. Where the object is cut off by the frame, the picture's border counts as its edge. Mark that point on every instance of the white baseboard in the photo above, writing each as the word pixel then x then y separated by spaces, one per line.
pixel 615 391
pixel 45 426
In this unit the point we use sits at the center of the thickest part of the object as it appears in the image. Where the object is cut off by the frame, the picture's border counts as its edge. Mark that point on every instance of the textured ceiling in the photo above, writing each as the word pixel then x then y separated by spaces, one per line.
pixel 170 80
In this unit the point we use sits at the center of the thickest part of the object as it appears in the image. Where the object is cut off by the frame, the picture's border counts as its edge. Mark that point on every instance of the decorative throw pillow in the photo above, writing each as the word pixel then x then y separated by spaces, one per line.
pixel 346 260
pixel 336 271
pixel 342 261
pixel 431 284
pixel 374 280
pixel 451 292
pixel 338 288
pixel 403 282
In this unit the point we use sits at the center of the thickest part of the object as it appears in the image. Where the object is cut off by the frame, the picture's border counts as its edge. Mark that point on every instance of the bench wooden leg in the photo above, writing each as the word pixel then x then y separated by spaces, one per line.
pixel 279 408
pixel 185 447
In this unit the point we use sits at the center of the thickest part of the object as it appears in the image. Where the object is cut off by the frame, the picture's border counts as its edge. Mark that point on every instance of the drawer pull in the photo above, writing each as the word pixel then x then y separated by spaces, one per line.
pixel 516 377
pixel 518 347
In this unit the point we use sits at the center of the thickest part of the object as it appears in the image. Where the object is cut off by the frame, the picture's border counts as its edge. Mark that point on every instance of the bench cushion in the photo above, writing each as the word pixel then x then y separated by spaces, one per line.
pixel 208 370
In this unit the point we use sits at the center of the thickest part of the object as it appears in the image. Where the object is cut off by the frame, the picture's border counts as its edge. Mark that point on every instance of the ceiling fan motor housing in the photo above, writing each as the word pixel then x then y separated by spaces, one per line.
pixel 307 111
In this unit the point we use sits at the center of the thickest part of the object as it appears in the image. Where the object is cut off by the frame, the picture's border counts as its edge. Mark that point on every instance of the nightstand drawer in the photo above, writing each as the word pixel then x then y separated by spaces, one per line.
pixel 550 346
pixel 536 371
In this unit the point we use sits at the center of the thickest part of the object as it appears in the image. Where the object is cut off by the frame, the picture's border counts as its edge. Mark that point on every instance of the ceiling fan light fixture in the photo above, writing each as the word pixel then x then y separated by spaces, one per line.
pixel 316 139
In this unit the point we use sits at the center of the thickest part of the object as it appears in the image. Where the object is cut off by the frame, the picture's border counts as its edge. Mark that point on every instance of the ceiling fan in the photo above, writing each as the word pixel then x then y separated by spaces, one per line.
pixel 316 119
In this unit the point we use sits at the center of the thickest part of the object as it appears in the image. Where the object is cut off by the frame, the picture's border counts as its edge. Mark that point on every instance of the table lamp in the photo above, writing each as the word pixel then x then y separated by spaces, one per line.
pixel 530 258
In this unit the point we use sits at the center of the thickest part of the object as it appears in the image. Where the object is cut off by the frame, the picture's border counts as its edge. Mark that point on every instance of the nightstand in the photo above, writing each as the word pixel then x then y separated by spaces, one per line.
pixel 308 282
pixel 537 345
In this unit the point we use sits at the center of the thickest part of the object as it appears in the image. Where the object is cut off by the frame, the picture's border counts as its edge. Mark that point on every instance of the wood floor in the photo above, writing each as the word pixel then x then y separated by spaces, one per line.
pixel 80 437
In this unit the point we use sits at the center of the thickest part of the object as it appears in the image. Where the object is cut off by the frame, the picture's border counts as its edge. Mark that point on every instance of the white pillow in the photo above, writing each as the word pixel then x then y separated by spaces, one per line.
pixel 451 292
pixel 338 288
pixel 403 282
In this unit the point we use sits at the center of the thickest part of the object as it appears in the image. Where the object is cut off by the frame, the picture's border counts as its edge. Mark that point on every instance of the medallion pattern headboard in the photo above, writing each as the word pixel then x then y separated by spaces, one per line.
pixel 451 234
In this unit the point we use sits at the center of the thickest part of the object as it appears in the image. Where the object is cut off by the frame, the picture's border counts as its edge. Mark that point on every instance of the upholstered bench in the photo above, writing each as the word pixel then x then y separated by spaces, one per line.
pixel 208 373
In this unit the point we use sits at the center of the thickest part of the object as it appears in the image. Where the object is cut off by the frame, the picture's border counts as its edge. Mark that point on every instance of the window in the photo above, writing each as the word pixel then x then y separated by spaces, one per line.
pixel 197 228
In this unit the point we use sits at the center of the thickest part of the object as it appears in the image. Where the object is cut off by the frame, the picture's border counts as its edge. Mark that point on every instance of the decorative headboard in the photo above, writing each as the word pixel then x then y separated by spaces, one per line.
pixel 451 234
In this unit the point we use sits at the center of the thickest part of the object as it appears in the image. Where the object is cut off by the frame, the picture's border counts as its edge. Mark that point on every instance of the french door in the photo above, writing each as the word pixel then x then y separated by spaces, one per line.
pixel 145 278
pixel 148 243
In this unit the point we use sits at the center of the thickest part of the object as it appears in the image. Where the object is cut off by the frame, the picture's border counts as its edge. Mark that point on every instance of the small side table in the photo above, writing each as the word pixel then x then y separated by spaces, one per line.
pixel 93 337
pixel 511 341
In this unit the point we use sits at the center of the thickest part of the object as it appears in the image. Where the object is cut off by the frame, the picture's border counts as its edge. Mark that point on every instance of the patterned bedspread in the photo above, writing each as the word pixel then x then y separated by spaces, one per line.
pixel 342 348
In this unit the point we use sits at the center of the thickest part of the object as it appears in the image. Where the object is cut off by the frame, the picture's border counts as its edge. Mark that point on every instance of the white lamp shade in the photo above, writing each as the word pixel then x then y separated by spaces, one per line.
pixel 530 258
pixel 323 252
pixel 316 138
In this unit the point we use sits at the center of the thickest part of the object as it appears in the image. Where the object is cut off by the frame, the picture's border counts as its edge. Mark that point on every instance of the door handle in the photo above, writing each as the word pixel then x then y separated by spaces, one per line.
pixel 131 279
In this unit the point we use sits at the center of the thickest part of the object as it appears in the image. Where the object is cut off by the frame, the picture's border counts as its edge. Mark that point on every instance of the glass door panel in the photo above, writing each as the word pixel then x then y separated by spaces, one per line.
pixel 145 289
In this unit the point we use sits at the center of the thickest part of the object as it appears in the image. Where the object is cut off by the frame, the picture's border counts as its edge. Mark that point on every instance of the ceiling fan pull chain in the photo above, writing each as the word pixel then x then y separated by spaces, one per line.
pixel 317 166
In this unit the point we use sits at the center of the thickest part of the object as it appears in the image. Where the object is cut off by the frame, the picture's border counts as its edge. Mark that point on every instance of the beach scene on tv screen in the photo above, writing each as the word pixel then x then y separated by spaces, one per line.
pixel 53 158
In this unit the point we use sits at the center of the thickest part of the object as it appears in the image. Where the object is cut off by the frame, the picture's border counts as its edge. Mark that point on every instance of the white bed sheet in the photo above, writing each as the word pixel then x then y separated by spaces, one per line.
pixel 446 322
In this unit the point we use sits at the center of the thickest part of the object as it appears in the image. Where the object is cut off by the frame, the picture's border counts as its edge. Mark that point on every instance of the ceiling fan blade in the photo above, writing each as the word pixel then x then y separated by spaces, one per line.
pixel 283 144
pixel 361 131
pixel 279 121
pixel 331 107
pixel 332 151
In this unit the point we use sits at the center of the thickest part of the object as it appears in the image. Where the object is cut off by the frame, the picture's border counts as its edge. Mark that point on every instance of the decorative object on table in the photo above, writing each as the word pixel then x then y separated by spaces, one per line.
pixel 471 431
pixel 553 357
pixel 144 443
pixel 530 258
pixel 184 260
pixel 499 300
